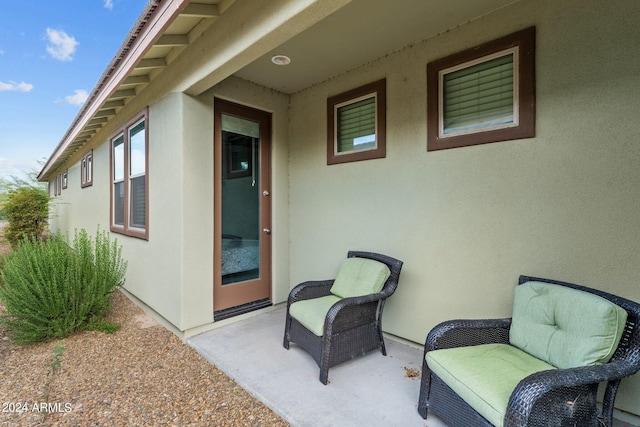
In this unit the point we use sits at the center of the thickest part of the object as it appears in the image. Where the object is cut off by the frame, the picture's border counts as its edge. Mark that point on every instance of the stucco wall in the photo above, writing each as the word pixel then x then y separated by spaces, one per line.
pixel 80 207
pixel 159 266
pixel 468 221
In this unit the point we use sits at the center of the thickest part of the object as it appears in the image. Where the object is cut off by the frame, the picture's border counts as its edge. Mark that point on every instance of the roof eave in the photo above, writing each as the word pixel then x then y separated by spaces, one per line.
pixel 153 21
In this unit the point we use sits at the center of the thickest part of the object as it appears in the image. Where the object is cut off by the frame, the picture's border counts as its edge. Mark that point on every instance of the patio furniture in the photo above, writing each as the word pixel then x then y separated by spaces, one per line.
pixel 337 320
pixel 541 367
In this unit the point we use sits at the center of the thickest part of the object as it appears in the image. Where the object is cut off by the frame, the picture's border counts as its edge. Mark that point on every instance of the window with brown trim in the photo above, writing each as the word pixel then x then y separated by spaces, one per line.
pixel 86 170
pixel 356 124
pixel 484 94
pixel 130 178
pixel 65 179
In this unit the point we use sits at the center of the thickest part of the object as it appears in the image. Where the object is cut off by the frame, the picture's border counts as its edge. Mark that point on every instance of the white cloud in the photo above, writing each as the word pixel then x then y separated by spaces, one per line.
pixel 15 87
pixel 108 4
pixel 61 45
pixel 78 98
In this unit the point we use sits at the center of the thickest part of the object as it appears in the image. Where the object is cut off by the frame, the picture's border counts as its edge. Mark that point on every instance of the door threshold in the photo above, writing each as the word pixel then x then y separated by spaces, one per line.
pixel 241 309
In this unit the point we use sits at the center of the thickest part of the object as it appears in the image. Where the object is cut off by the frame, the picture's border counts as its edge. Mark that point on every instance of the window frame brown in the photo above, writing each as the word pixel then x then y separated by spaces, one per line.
pixel 524 40
pixel 86 172
pixel 377 88
pixel 126 229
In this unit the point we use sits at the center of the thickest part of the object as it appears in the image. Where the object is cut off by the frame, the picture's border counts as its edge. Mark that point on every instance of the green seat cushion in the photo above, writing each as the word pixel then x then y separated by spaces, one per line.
pixel 565 327
pixel 311 313
pixel 360 276
pixel 484 375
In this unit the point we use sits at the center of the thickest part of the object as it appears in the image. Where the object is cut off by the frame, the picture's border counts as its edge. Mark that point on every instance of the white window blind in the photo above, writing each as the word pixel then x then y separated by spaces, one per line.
pixel 479 96
pixel 356 125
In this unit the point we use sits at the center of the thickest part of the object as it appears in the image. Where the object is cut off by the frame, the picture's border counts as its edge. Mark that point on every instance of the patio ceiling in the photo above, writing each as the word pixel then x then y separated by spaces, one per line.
pixel 360 32
pixel 340 42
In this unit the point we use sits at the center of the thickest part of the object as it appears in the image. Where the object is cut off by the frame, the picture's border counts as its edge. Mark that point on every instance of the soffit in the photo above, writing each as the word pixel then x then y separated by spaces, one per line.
pixel 358 33
pixel 194 19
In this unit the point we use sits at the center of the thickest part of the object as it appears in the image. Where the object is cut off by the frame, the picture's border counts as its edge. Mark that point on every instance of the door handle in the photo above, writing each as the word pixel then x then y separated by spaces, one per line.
pixel 266 230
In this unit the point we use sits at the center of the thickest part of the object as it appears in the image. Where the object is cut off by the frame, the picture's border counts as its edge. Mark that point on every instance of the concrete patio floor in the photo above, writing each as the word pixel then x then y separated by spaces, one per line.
pixel 370 390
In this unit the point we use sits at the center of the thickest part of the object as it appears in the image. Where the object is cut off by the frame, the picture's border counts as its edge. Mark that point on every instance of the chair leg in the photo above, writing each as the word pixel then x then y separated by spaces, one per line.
pixel 383 349
pixel 287 328
pixel 607 402
pixel 324 375
pixel 324 359
pixel 422 405
pixel 425 385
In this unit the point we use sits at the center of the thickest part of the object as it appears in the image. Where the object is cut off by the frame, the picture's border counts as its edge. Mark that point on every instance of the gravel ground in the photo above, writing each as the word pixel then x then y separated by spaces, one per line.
pixel 142 375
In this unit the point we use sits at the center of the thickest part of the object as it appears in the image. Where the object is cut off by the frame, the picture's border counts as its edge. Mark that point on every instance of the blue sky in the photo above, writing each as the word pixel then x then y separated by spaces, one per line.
pixel 52 53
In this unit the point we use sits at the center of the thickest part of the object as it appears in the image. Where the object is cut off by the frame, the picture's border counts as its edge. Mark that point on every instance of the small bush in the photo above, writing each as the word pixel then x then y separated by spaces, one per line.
pixel 3 214
pixel 52 289
pixel 27 209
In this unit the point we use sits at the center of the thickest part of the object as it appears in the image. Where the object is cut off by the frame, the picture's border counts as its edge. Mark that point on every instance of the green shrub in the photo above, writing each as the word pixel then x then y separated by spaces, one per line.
pixel 3 214
pixel 52 289
pixel 27 209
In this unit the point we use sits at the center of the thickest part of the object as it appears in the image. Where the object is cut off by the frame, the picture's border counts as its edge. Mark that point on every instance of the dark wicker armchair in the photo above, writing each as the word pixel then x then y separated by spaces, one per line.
pixel 352 327
pixel 558 397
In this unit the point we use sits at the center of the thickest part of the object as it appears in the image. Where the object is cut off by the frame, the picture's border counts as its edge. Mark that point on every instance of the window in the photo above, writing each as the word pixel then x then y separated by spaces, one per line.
pixel 485 94
pixel 65 179
pixel 239 158
pixel 356 124
pixel 86 170
pixel 57 185
pixel 129 179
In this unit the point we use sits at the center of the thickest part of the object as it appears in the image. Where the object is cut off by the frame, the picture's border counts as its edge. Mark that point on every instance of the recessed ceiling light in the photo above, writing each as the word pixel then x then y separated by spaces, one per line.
pixel 281 60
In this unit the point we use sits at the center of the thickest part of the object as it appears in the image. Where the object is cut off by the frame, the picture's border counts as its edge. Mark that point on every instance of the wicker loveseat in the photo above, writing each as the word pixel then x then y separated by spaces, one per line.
pixel 541 367
pixel 339 319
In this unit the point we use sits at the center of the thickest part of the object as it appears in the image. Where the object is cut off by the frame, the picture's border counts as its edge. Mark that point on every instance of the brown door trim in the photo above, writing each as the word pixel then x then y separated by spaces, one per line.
pixel 236 294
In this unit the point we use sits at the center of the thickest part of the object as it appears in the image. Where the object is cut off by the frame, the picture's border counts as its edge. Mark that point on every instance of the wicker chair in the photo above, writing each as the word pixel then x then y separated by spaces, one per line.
pixel 352 327
pixel 559 397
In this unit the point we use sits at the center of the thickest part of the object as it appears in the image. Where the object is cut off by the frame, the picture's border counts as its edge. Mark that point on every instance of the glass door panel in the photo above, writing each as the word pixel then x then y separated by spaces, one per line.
pixel 240 200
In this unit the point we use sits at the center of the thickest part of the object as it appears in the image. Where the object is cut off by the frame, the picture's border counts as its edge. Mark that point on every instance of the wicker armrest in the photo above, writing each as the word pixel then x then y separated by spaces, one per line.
pixel 352 312
pixel 460 333
pixel 310 290
pixel 364 299
pixel 541 390
pixel 557 378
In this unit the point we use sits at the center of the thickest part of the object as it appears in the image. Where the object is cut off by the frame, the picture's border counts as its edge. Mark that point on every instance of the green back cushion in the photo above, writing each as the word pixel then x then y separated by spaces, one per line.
pixel 312 312
pixel 565 327
pixel 360 276
pixel 484 375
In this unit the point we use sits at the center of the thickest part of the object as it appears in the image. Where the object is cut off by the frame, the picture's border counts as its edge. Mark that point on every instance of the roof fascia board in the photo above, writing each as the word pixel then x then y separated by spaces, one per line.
pixel 129 55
